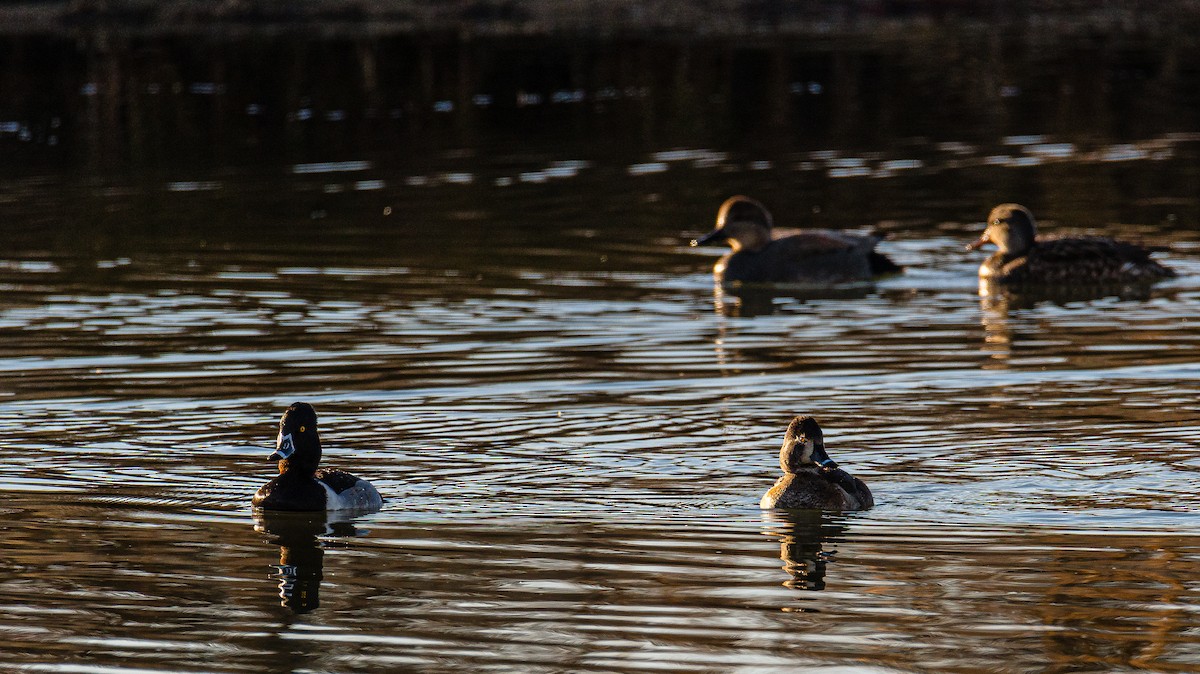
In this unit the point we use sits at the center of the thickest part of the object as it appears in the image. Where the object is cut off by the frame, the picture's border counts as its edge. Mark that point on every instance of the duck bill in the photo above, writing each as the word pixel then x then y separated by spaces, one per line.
pixel 822 459
pixel 715 235
pixel 284 447
pixel 979 243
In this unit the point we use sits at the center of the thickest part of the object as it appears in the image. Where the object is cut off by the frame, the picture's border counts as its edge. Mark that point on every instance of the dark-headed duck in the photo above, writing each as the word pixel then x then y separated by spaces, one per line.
pixel 815 256
pixel 301 486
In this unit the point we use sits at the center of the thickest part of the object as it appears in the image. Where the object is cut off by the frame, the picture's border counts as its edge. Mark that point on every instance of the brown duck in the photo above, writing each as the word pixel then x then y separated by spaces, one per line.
pixel 810 478
pixel 761 255
pixel 1024 258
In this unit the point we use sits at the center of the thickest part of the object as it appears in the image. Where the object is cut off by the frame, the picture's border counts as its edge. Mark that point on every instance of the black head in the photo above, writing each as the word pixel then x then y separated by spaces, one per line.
pixel 742 221
pixel 1010 227
pixel 298 446
pixel 804 445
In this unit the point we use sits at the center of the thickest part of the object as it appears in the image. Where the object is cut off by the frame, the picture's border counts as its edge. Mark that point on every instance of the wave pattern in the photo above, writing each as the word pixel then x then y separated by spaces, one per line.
pixel 572 429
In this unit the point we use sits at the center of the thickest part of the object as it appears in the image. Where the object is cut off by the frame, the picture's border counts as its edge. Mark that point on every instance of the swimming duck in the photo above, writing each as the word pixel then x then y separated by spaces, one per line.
pixel 810 478
pixel 810 256
pixel 300 485
pixel 1024 258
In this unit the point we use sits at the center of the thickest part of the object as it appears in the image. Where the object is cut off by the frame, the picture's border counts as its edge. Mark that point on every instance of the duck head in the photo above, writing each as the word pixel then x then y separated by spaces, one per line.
pixel 743 223
pixel 804 445
pixel 1010 227
pixel 298 447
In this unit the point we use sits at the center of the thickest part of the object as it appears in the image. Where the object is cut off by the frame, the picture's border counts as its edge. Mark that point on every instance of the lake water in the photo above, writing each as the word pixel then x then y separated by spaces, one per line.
pixel 489 296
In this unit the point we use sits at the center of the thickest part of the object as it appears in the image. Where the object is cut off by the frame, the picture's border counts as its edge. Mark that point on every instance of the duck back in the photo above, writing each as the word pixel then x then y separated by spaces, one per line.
pixel 837 490
pixel 1076 260
pixel 348 492
pixel 813 256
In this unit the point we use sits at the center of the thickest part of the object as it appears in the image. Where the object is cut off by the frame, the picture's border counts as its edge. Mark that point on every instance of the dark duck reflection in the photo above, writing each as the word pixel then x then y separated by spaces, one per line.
pixel 802 537
pixel 301 555
pixel 761 255
pixel 812 480
pixel 1083 264
pixel 301 485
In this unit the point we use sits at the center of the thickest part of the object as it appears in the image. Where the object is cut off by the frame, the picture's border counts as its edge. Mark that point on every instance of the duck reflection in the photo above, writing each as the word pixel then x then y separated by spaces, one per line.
pixel 802 536
pixel 1007 319
pixel 301 553
pixel 760 300
pixel 1025 297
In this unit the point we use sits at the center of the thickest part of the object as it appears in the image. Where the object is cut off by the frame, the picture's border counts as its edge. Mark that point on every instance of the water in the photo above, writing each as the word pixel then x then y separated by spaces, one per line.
pixel 572 428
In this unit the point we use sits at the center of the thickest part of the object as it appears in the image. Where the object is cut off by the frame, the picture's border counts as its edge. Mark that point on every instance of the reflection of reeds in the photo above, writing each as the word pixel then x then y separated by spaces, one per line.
pixel 607 17
pixel 132 87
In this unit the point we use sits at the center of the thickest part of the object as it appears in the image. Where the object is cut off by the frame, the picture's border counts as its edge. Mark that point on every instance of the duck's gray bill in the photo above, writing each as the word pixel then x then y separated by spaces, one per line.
pixel 283 447
pixel 822 459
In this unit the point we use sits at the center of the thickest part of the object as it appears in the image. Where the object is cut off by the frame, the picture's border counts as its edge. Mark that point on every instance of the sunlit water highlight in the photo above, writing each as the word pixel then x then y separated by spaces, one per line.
pixel 572 427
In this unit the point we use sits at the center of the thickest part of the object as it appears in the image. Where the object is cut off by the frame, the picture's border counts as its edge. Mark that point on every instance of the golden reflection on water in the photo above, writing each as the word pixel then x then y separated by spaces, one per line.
pixel 577 423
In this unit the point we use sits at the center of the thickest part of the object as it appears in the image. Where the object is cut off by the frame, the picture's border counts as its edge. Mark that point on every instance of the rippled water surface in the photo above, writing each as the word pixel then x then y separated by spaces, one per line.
pixel 572 427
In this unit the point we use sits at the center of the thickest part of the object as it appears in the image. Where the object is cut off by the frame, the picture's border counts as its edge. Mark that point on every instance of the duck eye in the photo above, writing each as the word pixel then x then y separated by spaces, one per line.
pixel 301 429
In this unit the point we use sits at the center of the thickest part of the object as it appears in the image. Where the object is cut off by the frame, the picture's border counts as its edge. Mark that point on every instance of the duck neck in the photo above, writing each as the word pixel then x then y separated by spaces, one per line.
pixel 300 467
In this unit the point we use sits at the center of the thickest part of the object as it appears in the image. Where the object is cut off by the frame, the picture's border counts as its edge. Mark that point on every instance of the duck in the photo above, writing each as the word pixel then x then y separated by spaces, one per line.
pixel 301 485
pixel 814 256
pixel 812 480
pixel 1024 258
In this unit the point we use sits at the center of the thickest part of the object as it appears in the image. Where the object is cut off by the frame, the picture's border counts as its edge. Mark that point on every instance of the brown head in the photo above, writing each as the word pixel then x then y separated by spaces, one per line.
pixel 1010 227
pixel 743 223
pixel 804 446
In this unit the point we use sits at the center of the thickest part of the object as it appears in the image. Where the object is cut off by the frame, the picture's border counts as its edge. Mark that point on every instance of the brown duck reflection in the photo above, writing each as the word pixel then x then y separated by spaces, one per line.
pixel 802 537
pixel 1012 329
pixel 301 553
pixel 750 301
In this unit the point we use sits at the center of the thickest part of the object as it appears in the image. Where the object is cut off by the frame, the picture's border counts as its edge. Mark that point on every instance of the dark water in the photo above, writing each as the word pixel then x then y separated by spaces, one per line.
pixel 493 306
